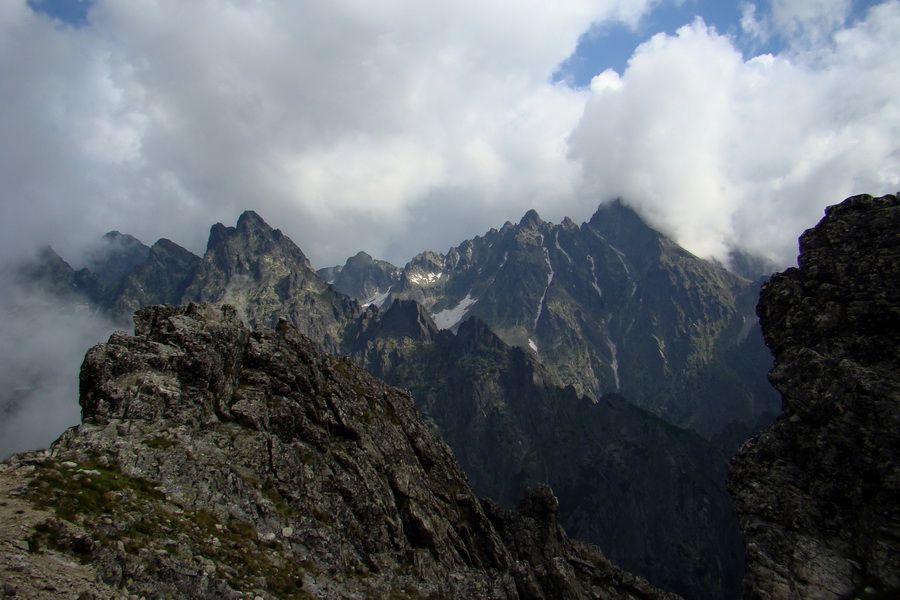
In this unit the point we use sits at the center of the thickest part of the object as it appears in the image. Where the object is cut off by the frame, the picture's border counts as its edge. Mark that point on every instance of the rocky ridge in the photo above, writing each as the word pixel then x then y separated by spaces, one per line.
pixel 818 492
pixel 610 306
pixel 218 462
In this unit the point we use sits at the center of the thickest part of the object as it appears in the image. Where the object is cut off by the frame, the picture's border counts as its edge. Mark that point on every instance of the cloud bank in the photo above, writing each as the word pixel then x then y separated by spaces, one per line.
pixel 724 152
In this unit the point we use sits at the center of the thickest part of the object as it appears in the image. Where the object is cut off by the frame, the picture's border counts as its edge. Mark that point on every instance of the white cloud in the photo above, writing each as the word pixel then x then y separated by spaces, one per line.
pixel 43 342
pixel 723 152
pixel 810 18
pixel 392 127
pixel 313 114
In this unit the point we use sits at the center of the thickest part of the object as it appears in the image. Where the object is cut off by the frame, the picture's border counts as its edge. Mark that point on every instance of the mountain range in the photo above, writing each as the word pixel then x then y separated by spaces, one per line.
pixel 601 359
pixel 608 306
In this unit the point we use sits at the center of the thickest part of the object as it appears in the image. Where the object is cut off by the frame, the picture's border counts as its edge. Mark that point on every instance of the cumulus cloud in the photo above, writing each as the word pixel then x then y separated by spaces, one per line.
pixel 392 127
pixel 724 152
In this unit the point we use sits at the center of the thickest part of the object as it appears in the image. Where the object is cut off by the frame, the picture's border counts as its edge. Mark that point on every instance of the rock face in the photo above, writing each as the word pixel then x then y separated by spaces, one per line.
pixel 626 480
pixel 267 277
pixel 214 461
pixel 362 277
pixel 818 492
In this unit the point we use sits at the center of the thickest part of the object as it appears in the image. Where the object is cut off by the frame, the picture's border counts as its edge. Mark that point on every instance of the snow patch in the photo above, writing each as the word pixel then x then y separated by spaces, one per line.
pixel 661 344
pixel 614 362
pixel 378 298
pixel 595 284
pixel 449 317
pixel 540 307
pixel 532 345
pixel 745 329
pixel 425 278
pixel 558 247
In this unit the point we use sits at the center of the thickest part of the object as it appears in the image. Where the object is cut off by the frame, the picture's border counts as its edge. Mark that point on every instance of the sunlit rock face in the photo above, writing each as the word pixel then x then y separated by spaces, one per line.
pixel 818 492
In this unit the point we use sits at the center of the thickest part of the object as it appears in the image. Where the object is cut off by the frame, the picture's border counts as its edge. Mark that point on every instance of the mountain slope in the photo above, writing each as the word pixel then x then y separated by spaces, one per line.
pixel 364 278
pixel 626 480
pixel 508 428
pixel 216 462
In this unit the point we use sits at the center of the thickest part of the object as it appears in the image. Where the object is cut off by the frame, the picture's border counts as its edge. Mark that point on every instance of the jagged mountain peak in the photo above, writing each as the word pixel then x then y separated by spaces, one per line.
pixel 475 333
pixel 361 259
pixel 623 227
pixel 609 306
pixel 250 219
pixel 266 275
pixel 255 234
pixel 115 255
pixel 531 220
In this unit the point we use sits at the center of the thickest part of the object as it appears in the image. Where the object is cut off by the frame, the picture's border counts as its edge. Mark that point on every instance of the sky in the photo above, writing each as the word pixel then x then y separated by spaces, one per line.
pixel 397 127
pixel 402 126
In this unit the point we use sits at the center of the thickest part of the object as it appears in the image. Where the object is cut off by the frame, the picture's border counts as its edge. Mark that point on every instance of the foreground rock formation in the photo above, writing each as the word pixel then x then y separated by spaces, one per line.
pixel 218 462
pixel 818 492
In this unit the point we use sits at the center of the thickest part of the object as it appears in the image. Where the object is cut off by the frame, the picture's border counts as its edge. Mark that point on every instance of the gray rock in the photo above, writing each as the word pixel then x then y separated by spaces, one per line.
pixel 210 439
pixel 818 492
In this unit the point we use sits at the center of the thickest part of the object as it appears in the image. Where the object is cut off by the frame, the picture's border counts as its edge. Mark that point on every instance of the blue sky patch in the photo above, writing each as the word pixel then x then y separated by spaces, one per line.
pixel 70 12
pixel 610 45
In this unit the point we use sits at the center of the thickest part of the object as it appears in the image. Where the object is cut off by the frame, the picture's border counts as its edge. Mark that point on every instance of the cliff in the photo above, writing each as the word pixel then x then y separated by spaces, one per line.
pixel 218 462
pixel 818 492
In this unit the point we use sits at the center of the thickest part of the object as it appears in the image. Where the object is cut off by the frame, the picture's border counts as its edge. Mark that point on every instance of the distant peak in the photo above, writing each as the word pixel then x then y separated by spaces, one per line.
pixel 250 219
pixel 408 318
pixel 122 239
pixel 360 258
pixel 531 219
pixel 617 210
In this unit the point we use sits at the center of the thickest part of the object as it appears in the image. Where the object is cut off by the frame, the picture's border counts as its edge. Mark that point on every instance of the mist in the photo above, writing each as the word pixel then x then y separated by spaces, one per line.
pixel 43 340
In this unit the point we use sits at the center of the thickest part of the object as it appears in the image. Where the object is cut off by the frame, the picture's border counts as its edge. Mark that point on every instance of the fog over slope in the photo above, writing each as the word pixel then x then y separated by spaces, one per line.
pixel 43 341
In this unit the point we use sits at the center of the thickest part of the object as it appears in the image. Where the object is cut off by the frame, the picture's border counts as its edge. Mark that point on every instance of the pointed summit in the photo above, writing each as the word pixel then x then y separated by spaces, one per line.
pixel 249 221
pixel 360 259
pixel 263 273
pixel 531 220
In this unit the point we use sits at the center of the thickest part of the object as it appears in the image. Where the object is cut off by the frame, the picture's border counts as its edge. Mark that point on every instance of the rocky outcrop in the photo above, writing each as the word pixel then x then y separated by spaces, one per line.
pixel 818 492
pixel 218 462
